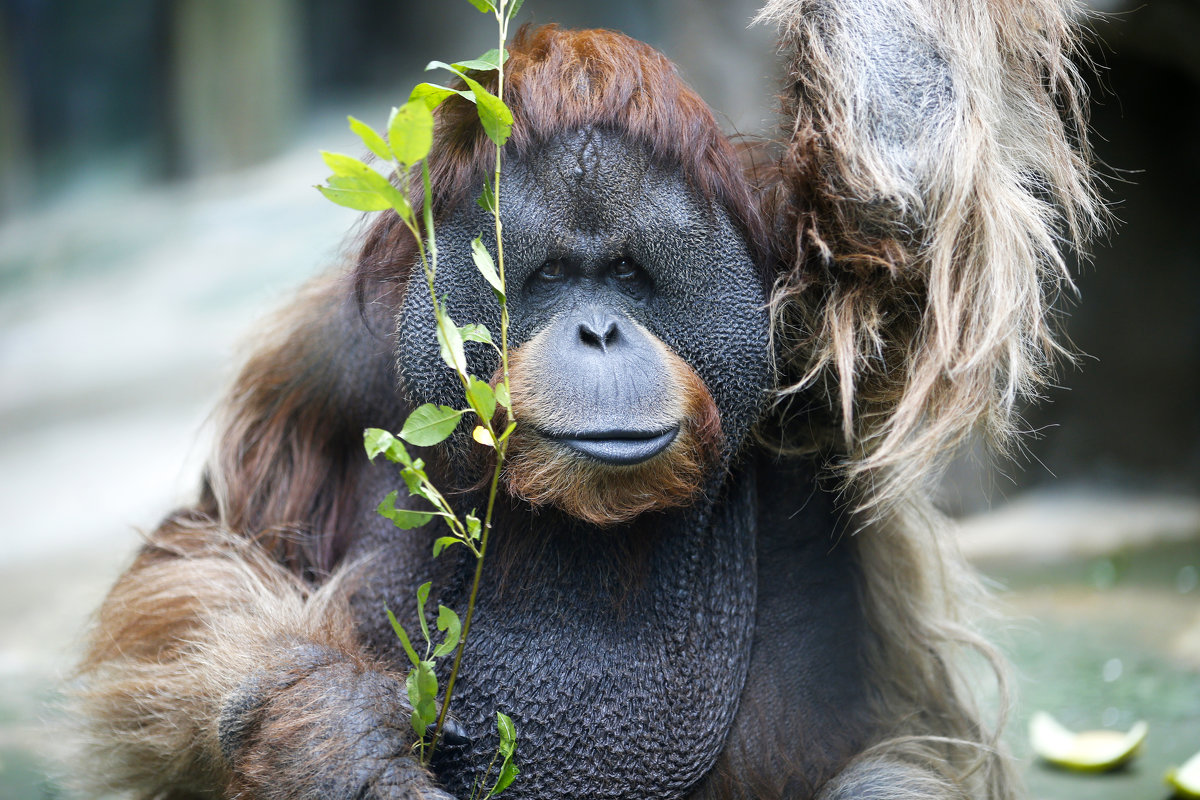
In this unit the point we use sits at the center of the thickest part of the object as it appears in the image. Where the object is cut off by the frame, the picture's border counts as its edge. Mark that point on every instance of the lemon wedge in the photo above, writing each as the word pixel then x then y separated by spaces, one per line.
pixel 1088 751
pixel 1186 780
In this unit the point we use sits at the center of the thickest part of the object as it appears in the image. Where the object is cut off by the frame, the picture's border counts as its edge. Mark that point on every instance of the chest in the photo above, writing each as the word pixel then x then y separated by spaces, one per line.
pixel 620 658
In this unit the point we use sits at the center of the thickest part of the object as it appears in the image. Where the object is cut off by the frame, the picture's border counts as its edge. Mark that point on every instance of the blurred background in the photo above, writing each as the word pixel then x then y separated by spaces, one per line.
pixel 156 165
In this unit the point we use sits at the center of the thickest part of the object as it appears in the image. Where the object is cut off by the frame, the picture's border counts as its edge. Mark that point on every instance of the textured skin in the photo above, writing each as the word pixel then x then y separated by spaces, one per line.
pixel 622 654
pixel 588 197
pixel 717 649
pixel 618 688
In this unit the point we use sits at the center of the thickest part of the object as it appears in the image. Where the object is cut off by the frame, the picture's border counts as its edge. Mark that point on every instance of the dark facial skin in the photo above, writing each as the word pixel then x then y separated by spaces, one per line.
pixel 609 252
pixel 613 385
pixel 619 652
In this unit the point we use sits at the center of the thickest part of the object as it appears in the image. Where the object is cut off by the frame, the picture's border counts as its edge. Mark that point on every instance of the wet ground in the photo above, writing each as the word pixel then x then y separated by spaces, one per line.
pixel 119 314
pixel 1103 642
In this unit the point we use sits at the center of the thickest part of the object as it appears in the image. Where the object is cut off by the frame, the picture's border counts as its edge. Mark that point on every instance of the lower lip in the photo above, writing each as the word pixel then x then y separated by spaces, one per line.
pixel 618 449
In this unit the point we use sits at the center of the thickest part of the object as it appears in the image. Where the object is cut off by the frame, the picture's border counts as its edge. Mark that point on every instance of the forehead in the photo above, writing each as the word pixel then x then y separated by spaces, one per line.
pixel 587 160
pixel 593 178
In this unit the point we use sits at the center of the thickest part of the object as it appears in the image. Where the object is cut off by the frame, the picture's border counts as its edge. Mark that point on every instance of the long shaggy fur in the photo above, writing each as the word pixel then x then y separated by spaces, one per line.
pixel 544 472
pixel 936 164
pixel 555 82
pixel 200 610
pixel 923 603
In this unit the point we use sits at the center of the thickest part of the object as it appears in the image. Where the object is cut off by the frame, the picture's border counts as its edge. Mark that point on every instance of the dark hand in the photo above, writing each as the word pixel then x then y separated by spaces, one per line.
pixel 322 727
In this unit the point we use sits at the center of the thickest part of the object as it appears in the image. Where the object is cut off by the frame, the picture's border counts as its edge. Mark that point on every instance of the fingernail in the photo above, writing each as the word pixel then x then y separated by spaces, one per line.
pixel 453 733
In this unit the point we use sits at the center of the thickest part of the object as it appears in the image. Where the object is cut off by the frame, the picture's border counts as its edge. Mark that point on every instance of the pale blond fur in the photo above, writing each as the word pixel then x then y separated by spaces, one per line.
pixel 936 167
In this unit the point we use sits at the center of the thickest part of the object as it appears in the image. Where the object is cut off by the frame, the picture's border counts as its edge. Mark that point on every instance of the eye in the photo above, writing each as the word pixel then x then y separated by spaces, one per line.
pixel 625 270
pixel 551 271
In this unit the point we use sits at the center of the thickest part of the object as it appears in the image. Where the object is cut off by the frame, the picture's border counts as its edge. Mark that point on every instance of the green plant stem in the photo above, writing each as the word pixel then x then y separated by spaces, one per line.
pixel 488 771
pixel 502 18
pixel 500 447
pixel 466 630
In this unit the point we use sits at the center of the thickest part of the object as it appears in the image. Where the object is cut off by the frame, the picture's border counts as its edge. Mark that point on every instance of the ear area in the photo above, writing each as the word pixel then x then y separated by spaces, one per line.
pixel 936 164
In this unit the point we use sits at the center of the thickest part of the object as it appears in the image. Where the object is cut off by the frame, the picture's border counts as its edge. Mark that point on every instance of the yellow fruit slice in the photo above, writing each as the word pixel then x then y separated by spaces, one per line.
pixel 1186 780
pixel 1088 751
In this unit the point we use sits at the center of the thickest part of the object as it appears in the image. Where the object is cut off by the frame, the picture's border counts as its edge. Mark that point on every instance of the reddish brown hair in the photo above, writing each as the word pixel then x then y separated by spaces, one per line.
pixel 281 474
pixel 558 81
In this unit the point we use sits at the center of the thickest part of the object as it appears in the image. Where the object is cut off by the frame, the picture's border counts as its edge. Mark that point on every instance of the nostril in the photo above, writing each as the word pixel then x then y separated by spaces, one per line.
pixel 598 332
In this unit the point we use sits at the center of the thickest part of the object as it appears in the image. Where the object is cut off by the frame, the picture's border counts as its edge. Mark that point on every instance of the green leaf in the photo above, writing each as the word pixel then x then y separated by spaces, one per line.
pixel 358 200
pixel 398 454
pixel 486 266
pixel 403 637
pixel 487 200
pixel 508 772
pixel 353 184
pixel 427 211
pixel 422 596
pixel 367 180
pixel 395 199
pixel 432 94
pixel 507 747
pixel 410 132
pixel 415 719
pixel 476 333
pixel 344 182
pixel 412 480
pixel 418 485
pixel 482 5
pixel 447 622
pixel 514 8
pixel 450 339
pixel 488 61
pixel 508 734
pixel 376 441
pixel 422 694
pixel 427 681
pixel 496 117
pixel 348 166
pixel 512 426
pixel 432 65
pixel 473 65
pixel 430 424
pixel 502 396
pixel 400 517
pixel 443 542
pixel 481 398
pixel 370 138
pixel 474 526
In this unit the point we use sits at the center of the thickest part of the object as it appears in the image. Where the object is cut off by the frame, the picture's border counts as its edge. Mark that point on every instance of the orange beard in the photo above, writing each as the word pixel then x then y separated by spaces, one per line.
pixel 545 472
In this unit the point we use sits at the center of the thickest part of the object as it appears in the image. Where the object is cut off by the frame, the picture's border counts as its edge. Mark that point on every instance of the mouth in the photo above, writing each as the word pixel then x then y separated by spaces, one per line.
pixel 618 447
